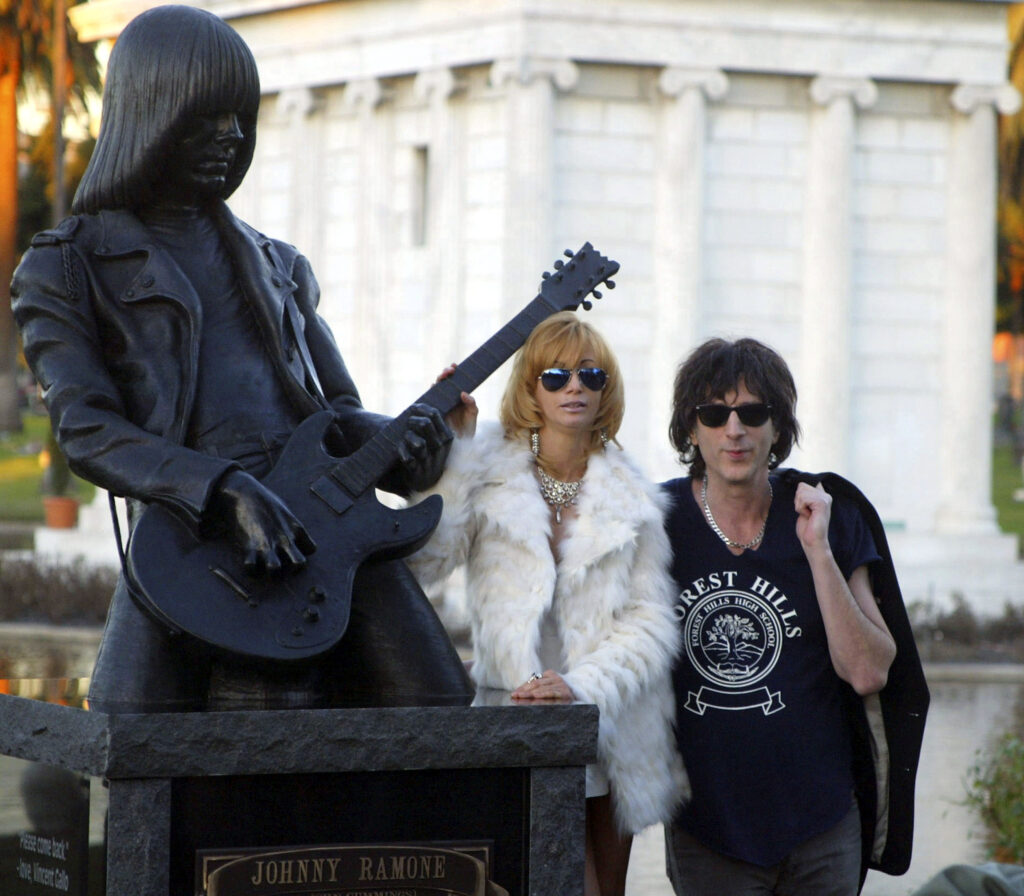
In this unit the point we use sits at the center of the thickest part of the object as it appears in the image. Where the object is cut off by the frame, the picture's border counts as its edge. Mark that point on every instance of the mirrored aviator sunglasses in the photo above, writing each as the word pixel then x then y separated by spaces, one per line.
pixel 715 415
pixel 555 378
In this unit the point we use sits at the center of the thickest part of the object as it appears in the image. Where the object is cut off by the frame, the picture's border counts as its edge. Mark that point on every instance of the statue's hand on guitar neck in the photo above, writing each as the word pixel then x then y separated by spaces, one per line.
pixel 261 526
pixel 423 448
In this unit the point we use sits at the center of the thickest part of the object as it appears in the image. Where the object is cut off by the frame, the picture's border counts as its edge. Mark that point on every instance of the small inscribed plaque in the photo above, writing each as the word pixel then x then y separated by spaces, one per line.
pixel 369 870
pixel 50 854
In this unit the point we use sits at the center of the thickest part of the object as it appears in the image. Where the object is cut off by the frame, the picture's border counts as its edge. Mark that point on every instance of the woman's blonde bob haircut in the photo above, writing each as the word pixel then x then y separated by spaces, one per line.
pixel 561 340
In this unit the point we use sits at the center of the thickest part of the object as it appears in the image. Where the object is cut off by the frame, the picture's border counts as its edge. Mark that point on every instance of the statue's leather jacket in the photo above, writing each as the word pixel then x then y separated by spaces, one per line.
pixel 110 326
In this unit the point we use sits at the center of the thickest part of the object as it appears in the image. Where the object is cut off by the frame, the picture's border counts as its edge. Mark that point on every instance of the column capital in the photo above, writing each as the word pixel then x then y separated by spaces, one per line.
pixel 435 85
pixel 563 73
pixel 365 93
pixel 298 102
pixel 826 89
pixel 966 98
pixel 674 81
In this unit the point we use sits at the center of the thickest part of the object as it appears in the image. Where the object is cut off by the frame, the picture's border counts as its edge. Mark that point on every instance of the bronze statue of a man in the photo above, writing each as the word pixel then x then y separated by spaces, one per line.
pixel 178 350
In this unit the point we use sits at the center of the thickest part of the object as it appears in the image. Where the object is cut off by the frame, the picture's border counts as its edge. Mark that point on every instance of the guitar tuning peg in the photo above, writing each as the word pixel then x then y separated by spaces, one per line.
pixel 546 275
pixel 568 253
pixel 610 284
pixel 587 304
pixel 597 295
pixel 559 265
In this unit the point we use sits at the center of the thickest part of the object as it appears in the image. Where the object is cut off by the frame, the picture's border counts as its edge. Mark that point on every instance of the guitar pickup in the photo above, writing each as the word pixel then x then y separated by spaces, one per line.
pixel 235 586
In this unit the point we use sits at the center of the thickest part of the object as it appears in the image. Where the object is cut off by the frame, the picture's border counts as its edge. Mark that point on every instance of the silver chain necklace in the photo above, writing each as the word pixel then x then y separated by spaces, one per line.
pixel 755 541
pixel 557 493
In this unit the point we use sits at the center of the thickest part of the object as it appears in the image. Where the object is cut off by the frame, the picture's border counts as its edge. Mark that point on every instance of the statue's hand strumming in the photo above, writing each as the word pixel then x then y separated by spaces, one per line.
pixel 424 447
pixel 260 524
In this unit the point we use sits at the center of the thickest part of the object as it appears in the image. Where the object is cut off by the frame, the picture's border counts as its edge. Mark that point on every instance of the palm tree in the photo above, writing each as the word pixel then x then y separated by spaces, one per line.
pixel 29 31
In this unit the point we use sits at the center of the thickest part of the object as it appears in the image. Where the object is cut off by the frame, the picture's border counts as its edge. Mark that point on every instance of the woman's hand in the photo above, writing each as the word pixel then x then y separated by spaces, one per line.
pixel 549 686
pixel 462 420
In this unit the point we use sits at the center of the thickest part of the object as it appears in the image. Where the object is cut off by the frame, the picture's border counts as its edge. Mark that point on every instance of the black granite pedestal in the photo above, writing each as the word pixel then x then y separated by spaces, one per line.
pixel 189 792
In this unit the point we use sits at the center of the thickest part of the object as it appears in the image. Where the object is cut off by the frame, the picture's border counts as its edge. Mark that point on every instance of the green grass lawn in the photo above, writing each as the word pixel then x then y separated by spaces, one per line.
pixel 1006 479
pixel 21 472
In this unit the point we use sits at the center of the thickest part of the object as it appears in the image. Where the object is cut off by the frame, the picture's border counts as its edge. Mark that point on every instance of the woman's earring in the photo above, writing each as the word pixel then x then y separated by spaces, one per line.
pixel 535 442
pixel 604 437
pixel 773 459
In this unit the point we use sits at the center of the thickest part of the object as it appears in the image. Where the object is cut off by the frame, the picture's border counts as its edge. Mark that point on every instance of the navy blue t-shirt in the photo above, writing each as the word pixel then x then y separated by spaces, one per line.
pixel 760 719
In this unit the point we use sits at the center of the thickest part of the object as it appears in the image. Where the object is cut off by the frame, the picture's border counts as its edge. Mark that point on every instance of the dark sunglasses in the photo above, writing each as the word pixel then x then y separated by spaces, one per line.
pixel 555 378
pixel 715 415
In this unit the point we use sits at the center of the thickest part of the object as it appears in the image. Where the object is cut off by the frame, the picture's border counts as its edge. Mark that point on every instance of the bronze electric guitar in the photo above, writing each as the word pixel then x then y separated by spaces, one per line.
pixel 200 585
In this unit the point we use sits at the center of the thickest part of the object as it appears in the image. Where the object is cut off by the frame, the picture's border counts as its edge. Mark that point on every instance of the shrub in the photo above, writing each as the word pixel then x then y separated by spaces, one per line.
pixel 959 624
pixel 39 590
pixel 1009 626
pixel 955 634
pixel 995 790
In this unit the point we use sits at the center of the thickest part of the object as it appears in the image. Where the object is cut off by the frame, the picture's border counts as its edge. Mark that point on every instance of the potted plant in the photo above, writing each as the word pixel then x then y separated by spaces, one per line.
pixel 60 506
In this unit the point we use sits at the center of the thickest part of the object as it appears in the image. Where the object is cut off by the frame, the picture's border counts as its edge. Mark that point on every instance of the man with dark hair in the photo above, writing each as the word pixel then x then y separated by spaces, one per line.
pixel 791 618
pixel 178 349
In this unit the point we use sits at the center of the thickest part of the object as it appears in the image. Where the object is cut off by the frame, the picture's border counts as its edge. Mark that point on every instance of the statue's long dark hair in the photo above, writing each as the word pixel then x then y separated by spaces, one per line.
pixel 169 64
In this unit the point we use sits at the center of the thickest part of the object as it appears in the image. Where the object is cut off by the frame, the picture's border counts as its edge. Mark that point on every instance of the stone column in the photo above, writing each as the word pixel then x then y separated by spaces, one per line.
pixel 444 243
pixel 530 85
pixel 965 422
pixel 678 240
pixel 299 110
pixel 824 369
pixel 374 316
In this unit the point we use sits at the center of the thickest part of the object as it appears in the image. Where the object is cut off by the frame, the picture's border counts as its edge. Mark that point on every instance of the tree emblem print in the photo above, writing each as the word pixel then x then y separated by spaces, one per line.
pixel 733 638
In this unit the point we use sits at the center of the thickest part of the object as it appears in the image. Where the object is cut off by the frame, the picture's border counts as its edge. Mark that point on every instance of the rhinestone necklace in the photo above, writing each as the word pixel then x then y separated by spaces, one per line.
pixel 755 541
pixel 557 493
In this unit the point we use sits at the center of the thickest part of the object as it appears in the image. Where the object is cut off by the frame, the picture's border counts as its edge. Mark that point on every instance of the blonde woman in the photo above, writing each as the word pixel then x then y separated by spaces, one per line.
pixel 567 574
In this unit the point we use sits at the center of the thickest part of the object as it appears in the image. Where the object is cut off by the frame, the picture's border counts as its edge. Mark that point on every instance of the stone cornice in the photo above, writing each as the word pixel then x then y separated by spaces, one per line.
pixel 318 43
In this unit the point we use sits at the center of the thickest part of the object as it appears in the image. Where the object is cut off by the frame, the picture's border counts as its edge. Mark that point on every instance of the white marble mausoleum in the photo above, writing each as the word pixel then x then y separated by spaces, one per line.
pixel 819 175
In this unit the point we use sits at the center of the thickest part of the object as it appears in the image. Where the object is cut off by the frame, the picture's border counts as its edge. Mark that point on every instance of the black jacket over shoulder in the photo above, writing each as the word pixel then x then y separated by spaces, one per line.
pixel 111 326
pixel 888 726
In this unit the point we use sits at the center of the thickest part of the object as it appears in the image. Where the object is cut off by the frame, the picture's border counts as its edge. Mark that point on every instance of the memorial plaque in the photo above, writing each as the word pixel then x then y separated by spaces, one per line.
pixel 350 870
pixel 478 812
pixel 51 818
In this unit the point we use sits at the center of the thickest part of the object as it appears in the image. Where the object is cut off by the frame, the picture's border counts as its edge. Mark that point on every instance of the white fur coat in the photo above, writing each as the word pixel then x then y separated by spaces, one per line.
pixel 612 598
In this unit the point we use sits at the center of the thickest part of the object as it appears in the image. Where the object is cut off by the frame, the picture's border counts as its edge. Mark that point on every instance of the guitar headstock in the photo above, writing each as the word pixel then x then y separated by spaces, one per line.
pixel 574 281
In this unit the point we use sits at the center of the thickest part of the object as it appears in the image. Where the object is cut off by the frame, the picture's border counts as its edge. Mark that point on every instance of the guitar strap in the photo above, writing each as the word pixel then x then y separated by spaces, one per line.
pixel 137 594
pixel 117 531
